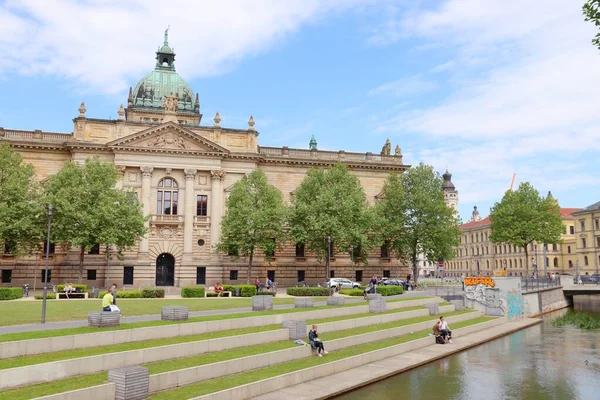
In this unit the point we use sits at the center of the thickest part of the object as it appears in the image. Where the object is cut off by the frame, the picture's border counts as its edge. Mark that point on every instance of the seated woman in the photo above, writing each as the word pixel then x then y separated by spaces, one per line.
pixel 315 343
pixel 436 332
pixel 218 289
pixel 68 289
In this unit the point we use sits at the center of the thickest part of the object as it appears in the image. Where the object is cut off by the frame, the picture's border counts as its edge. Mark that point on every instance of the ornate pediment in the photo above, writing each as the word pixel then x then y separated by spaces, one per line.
pixel 168 136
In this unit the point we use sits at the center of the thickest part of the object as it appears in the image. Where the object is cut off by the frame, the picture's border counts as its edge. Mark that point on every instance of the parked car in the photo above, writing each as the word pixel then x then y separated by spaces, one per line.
pixel 396 282
pixel 342 283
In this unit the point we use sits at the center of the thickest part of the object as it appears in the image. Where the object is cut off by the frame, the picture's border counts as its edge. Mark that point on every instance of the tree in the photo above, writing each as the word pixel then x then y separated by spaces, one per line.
pixel 524 217
pixel 413 218
pixel 22 222
pixel 331 204
pixel 90 210
pixel 591 11
pixel 255 218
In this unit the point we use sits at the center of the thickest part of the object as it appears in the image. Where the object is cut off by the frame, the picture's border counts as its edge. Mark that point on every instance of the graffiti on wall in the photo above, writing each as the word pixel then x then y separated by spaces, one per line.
pixel 516 306
pixel 484 291
pixel 480 281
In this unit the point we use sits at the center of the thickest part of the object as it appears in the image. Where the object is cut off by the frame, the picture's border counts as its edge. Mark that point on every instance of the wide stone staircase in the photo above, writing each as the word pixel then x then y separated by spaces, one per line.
pixel 223 357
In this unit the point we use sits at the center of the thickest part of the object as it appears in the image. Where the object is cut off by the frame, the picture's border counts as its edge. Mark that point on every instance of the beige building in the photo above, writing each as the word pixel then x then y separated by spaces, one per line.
pixel 587 236
pixel 182 172
pixel 477 255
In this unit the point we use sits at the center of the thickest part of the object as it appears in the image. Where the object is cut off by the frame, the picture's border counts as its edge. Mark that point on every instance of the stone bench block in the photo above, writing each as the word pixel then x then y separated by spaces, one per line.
pixel 377 306
pixel 303 302
pixel 102 319
pixel 296 328
pixel 374 296
pixel 459 305
pixel 335 301
pixel 262 303
pixel 131 383
pixel 434 308
pixel 174 314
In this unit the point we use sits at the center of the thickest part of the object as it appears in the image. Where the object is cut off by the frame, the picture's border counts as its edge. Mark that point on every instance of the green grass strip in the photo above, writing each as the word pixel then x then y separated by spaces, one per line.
pixel 231 381
pixel 82 330
pixel 68 384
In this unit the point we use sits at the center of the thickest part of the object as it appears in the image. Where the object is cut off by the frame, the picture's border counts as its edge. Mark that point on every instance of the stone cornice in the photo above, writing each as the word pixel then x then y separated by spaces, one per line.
pixel 328 163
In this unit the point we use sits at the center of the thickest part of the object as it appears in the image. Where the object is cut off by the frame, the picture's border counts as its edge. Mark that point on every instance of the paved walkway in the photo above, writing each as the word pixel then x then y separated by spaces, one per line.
pixel 329 386
pixel 155 317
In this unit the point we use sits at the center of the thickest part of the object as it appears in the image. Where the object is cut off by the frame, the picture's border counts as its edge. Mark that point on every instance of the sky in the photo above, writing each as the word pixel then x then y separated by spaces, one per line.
pixel 485 89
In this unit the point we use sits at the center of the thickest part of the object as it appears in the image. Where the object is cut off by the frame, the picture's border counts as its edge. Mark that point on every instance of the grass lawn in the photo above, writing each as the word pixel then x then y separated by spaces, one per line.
pixel 29 312
pixel 79 382
pixel 81 330
pixel 227 382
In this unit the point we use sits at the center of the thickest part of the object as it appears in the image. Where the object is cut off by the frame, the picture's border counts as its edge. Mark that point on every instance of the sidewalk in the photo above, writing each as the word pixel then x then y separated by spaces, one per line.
pixel 156 317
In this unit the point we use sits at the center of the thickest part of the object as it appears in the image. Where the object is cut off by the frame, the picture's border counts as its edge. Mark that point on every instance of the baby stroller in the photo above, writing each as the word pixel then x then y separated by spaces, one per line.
pixel 369 290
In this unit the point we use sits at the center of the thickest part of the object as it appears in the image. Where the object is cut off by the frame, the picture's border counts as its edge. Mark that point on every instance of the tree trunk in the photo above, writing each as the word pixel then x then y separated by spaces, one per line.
pixel 415 264
pixel 250 256
pixel 526 261
pixel 81 256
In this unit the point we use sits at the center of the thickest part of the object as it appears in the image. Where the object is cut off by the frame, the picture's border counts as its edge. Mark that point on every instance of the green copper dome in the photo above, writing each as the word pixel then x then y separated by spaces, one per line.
pixel 152 89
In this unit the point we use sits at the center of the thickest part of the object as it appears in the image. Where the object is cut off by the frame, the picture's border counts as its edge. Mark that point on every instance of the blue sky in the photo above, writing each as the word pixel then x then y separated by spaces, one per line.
pixel 484 88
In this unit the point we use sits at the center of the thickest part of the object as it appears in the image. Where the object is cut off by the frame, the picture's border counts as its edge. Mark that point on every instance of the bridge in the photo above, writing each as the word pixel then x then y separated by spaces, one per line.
pixel 570 289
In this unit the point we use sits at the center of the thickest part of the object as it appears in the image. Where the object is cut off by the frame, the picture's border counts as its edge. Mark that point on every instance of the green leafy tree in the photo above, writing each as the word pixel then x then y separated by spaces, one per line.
pixel 90 210
pixel 591 11
pixel 524 217
pixel 413 218
pixel 255 219
pixel 22 222
pixel 332 204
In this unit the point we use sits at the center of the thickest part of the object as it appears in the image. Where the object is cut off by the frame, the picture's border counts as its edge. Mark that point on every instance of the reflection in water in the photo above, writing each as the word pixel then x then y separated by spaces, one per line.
pixel 538 363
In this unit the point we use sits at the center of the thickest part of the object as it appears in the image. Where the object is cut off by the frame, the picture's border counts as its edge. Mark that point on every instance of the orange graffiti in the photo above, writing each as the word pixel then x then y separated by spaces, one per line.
pixel 475 281
pixel 501 273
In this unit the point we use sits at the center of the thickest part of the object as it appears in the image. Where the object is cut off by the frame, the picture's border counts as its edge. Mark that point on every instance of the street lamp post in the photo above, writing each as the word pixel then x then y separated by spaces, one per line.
pixel 50 212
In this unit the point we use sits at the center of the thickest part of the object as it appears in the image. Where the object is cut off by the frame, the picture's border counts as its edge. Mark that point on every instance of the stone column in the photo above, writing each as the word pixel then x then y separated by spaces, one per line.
pixel 146 198
pixel 216 207
pixel 120 175
pixel 188 227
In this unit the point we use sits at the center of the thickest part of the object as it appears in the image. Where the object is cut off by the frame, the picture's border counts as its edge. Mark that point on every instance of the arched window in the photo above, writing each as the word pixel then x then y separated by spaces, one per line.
pixel 488 264
pixel 510 263
pixel 520 263
pixel 570 264
pixel 585 261
pixel 556 262
pixel 167 197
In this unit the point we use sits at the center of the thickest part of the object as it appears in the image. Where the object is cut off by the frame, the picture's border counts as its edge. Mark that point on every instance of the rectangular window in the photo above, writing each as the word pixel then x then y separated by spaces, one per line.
pixel 582 226
pixel 91 274
pixel 95 249
pixel 127 275
pixel 583 244
pixel 202 205
pixel 233 275
pixel 598 241
pixel 299 250
pixel 554 247
pixel 572 229
pixel 301 275
pixel 386 273
pixel 384 251
pixel 271 275
pixel 200 275
pixel 358 275
pixel 52 248
pixel 332 273
pixel 569 249
pixel 6 275
pixel 49 276
pixel 597 222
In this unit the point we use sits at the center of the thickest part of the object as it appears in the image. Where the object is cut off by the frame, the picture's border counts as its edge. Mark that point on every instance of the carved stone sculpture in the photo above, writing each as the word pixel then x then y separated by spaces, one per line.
pixel 397 151
pixel 217 174
pixel 171 103
pixel 168 140
pixel 387 148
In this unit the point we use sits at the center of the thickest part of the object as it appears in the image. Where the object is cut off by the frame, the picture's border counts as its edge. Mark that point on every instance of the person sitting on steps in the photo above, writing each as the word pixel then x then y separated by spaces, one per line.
pixel 445 330
pixel 315 343
pixel 436 332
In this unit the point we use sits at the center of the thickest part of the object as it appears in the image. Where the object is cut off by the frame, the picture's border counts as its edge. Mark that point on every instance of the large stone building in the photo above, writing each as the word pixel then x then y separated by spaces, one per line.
pixel 477 255
pixel 182 172
pixel 587 237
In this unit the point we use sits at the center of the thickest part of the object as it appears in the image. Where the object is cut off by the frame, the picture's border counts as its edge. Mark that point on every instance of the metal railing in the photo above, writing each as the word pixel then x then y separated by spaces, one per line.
pixel 528 284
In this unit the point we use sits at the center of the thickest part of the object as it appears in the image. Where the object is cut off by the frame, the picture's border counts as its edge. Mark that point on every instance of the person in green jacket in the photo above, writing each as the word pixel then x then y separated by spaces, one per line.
pixel 107 300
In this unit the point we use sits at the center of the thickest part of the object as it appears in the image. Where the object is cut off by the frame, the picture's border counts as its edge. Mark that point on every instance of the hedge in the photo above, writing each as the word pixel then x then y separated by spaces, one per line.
pixel 151 293
pixel 61 288
pixel 192 291
pixel 307 291
pixel 49 296
pixel 11 293
pixel 245 290
pixel 124 294
pixel 390 290
pixel 353 292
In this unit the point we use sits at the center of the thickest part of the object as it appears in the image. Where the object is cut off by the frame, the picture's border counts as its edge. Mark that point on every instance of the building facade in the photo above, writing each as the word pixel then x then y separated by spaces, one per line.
pixel 587 238
pixel 182 172
pixel 478 256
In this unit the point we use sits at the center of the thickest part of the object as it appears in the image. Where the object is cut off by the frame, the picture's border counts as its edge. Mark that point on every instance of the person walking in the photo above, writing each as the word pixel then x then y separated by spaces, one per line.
pixel 315 342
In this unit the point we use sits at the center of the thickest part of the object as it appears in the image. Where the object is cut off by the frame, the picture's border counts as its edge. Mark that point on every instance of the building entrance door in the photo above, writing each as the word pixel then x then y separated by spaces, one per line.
pixel 165 270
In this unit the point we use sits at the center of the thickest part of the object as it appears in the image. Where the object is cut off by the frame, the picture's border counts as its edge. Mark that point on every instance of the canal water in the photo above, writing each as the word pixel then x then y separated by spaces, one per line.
pixel 538 363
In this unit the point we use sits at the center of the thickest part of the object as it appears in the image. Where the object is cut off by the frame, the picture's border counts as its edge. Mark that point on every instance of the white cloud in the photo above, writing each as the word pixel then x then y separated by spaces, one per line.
pixel 405 87
pixel 103 45
pixel 525 94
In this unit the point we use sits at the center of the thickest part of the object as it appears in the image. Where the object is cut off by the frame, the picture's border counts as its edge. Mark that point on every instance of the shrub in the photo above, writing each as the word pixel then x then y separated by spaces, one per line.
pixel 353 292
pixel 211 294
pixel 11 293
pixel 49 296
pixel 390 290
pixel 192 291
pixel 151 293
pixel 247 290
pixel 307 291
pixel 61 288
pixel 125 294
